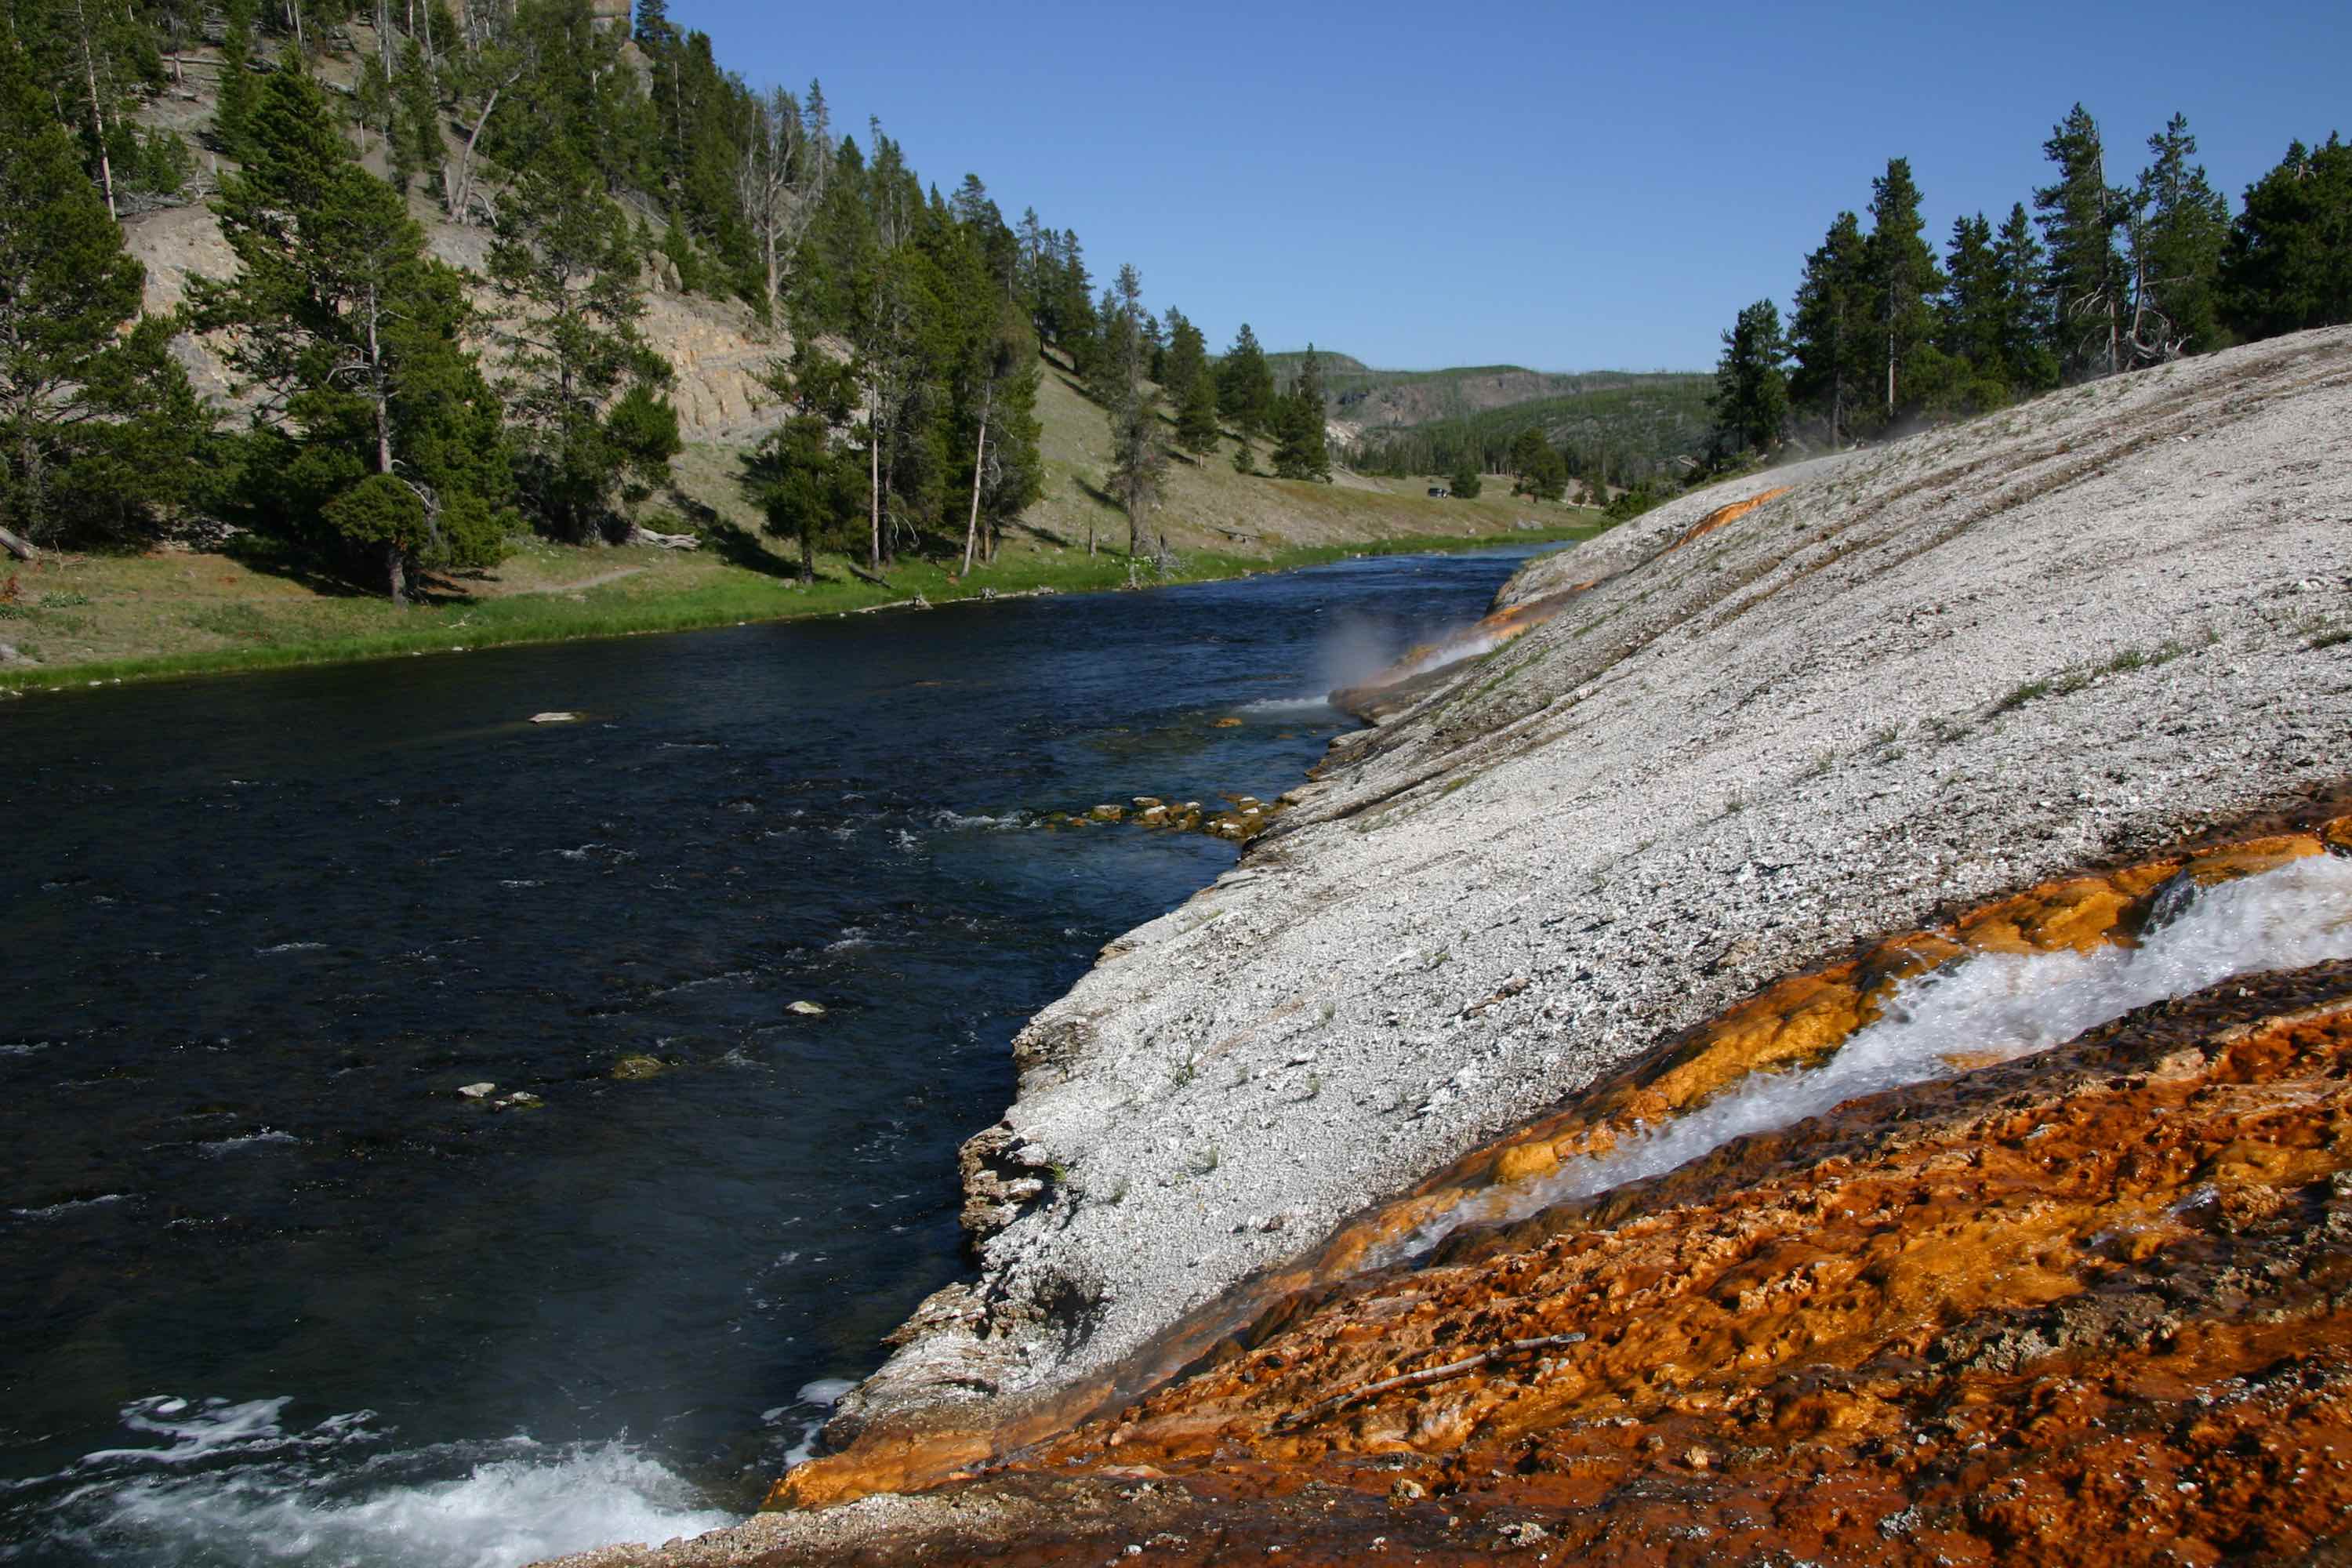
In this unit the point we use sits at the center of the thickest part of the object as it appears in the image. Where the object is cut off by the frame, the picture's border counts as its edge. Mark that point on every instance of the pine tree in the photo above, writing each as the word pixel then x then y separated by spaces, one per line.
pixel 1465 481
pixel 1750 400
pixel 1540 470
pixel 2079 215
pixel 415 121
pixel 97 423
pixel 804 478
pixel 1301 449
pixel 1968 323
pixel 1186 361
pixel 1828 333
pixel 1246 386
pixel 233 106
pixel 1196 416
pixel 2288 264
pixel 2020 271
pixel 1904 280
pixel 1007 473
pixel 383 428
pixel 582 383
pixel 2176 226
pixel 1139 457
pixel 1069 322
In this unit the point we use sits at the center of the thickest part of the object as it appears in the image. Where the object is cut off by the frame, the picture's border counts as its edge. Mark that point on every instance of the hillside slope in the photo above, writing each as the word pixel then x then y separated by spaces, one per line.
pixel 718 350
pixel 1899 698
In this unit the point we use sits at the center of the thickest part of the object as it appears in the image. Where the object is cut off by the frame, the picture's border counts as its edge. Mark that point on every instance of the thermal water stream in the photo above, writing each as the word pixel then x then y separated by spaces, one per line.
pixel 1980 1009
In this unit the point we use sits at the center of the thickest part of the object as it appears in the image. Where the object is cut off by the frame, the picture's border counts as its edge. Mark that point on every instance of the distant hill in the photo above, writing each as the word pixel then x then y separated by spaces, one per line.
pixel 1639 422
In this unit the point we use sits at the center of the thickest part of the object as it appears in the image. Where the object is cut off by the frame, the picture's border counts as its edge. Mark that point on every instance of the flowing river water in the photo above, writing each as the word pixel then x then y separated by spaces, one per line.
pixel 272 1289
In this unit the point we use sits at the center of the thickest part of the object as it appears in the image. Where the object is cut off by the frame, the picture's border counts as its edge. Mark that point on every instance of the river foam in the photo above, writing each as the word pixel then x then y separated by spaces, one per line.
pixel 230 1484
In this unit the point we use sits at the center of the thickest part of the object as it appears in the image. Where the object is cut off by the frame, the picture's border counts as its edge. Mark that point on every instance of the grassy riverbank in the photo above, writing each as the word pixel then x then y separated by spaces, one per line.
pixel 101 619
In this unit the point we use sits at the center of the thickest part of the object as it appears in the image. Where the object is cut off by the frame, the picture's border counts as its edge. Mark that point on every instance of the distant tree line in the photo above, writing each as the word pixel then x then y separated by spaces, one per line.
pixel 1636 433
pixel 2098 280
pixel 398 415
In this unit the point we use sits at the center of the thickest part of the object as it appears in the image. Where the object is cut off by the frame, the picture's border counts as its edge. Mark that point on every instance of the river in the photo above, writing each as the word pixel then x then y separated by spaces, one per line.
pixel 274 1290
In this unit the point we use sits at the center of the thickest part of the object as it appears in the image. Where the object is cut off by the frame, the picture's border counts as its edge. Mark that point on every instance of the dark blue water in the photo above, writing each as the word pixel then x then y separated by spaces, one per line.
pixel 272 1288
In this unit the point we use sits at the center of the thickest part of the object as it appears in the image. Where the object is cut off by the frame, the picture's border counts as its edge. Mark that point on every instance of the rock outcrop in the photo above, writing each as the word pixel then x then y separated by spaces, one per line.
pixel 1746 746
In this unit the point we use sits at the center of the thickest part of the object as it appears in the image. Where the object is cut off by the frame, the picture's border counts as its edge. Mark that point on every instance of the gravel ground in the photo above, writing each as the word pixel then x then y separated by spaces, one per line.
pixel 1935 671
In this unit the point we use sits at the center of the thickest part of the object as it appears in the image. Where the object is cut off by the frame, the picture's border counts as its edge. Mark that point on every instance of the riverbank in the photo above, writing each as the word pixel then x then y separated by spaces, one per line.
pixel 100 620
pixel 1926 677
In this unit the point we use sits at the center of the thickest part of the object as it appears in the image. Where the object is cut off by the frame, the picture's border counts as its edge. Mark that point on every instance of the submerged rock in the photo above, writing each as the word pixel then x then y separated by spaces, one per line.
pixel 806 1009
pixel 634 1067
pixel 478 1091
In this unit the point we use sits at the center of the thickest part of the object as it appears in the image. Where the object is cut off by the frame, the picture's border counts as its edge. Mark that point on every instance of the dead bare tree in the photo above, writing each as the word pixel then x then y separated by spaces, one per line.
pixel 97 109
pixel 780 178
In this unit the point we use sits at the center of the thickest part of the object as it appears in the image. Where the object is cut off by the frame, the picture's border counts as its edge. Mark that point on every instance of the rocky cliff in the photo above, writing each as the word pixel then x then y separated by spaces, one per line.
pixel 1760 767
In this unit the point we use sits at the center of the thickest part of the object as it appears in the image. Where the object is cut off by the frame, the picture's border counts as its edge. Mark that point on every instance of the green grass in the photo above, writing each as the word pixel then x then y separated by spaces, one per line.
pixel 297 628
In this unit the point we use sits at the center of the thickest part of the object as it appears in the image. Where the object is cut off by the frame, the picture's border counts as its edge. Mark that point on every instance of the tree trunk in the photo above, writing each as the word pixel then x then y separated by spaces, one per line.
pixel 395 566
pixel 979 458
pixel 808 555
pixel 464 194
pixel 873 482
pixel 96 117
pixel 768 249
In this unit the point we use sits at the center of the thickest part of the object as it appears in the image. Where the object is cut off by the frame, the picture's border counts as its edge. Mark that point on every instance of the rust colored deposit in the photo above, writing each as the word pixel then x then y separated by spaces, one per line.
pixel 1427 666
pixel 2091 1305
pixel 1424 668
pixel 1722 515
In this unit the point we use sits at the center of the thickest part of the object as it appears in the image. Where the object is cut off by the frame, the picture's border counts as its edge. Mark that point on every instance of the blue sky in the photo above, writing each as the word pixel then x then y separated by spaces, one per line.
pixel 1565 186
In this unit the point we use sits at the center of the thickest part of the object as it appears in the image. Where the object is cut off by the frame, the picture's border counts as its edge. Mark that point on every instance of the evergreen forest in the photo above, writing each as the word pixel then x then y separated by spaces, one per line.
pixel 2094 276
pixel 392 413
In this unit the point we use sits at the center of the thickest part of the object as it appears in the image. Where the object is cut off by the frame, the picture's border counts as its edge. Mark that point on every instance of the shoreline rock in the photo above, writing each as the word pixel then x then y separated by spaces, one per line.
pixel 1927 675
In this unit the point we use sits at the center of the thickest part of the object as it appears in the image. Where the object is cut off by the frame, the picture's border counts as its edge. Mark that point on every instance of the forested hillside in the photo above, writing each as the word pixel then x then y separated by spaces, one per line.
pixel 411 284
pixel 2099 278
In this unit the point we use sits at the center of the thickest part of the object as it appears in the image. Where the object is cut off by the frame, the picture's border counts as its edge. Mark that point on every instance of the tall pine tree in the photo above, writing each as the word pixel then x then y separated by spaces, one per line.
pixel 1246 387
pixel 98 422
pixel 1829 331
pixel 2176 226
pixel 1903 282
pixel 2020 270
pixel 585 388
pixel 1139 457
pixel 1750 399
pixel 381 428
pixel 2288 264
pixel 1301 450
pixel 2079 214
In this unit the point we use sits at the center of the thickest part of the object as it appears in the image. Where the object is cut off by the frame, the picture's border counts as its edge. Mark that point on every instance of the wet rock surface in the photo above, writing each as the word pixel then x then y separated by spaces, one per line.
pixel 2101 1295
pixel 1744 748
pixel 1923 677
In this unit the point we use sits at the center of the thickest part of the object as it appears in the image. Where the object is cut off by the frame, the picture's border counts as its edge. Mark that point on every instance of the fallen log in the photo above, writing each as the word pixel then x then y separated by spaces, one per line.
pixel 18 546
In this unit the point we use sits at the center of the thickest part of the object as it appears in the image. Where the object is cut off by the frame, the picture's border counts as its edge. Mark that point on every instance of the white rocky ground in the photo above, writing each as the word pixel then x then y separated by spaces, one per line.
pixel 1934 672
